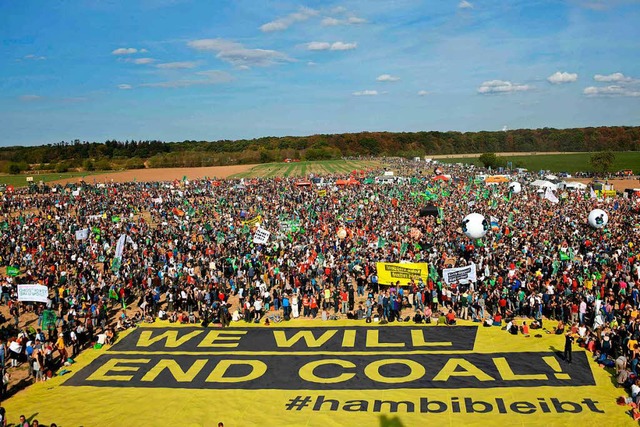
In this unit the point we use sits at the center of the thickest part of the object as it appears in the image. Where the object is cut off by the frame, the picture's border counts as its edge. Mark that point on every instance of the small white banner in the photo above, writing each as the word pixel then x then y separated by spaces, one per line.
pixel 261 236
pixel 36 293
pixel 460 275
pixel 82 234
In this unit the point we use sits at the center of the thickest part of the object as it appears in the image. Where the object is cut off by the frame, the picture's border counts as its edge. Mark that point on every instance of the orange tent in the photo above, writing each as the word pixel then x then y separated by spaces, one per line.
pixel 303 184
pixel 349 181
pixel 496 179
pixel 441 178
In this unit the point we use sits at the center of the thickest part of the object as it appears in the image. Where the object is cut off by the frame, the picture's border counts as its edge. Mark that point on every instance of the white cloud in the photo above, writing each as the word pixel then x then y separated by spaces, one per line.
pixel 125 86
pixel 423 93
pixel 387 78
pixel 464 4
pixel 612 90
pixel 238 55
pixel 143 61
pixel 318 46
pixel 365 93
pixel 177 65
pixel 285 22
pixel 311 63
pixel 30 98
pixel 615 77
pixel 125 51
pixel 330 22
pixel 356 20
pixel 331 46
pixel 35 57
pixel 143 51
pixel 501 86
pixel 562 77
pixel 343 46
pixel 210 77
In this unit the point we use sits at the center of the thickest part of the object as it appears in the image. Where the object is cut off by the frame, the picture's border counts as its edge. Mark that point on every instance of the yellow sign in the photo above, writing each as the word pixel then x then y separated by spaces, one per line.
pixel 389 273
pixel 346 373
pixel 253 221
pixel 606 193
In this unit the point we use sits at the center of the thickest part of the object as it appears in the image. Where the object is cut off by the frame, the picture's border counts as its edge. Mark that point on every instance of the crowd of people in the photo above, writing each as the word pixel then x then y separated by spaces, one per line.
pixel 116 254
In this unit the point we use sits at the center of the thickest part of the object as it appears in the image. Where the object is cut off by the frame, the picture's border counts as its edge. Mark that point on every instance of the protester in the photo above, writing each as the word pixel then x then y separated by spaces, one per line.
pixel 184 251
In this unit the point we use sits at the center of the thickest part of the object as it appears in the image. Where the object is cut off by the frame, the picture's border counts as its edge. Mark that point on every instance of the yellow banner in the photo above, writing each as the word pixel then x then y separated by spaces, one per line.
pixel 308 373
pixel 606 193
pixel 322 193
pixel 389 273
pixel 253 221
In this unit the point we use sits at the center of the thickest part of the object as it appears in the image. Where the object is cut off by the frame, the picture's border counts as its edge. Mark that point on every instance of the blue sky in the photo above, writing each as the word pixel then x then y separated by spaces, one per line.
pixel 229 69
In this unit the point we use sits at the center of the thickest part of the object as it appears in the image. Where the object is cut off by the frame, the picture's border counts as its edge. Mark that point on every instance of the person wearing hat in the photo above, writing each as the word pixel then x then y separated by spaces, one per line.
pixel 60 346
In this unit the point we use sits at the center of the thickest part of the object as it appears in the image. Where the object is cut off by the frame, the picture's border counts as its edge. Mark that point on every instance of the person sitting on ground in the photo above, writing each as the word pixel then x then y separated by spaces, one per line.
pixel 450 318
pixel 110 336
pixel 497 320
pixel 524 329
pixel 427 313
pixel 560 328
pixel 535 325
pixel 488 322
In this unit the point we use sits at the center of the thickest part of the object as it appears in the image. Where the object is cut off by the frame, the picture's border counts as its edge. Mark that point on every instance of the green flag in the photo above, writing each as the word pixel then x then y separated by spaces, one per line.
pixel 48 319
pixel 404 248
pixel 381 242
pixel 13 271
pixel 115 218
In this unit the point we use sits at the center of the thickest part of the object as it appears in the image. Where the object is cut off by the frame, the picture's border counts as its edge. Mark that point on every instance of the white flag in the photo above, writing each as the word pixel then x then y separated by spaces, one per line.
pixel 548 194
pixel 82 234
pixel 592 193
pixel 261 236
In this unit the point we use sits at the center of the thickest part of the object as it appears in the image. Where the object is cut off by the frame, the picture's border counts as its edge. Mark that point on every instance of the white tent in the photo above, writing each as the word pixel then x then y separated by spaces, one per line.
pixel 574 185
pixel 544 184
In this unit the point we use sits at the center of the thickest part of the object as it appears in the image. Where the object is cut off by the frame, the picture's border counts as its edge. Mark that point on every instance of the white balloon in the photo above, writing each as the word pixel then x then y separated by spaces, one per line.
pixel 598 218
pixel 475 226
pixel 515 187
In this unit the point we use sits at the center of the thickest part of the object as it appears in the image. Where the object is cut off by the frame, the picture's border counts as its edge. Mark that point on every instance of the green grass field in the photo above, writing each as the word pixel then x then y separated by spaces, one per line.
pixel 21 180
pixel 562 162
pixel 302 169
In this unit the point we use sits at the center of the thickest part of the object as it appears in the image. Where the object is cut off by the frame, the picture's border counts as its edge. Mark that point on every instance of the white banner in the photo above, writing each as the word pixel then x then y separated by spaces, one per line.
pixel 261 236
pixel 37 293
pixel 462 275
pixel 82 234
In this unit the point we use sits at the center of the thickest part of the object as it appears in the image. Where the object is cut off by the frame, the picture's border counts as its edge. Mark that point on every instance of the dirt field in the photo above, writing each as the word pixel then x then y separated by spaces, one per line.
pixel 618 184
pixel 164 174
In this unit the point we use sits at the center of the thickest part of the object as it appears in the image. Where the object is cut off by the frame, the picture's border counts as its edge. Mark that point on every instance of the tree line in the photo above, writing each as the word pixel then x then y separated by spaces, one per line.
pixel 154 153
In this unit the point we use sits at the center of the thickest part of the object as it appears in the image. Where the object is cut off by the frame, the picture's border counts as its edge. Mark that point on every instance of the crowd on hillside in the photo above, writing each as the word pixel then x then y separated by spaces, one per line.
pixel 183 251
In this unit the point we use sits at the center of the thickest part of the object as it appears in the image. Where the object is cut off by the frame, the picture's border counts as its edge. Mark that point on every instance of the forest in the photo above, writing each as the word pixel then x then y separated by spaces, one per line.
pixel 130 154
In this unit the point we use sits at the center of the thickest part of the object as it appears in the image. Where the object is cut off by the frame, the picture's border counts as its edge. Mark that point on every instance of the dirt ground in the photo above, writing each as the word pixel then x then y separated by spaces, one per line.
pixel 162 174
pixel 618 184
